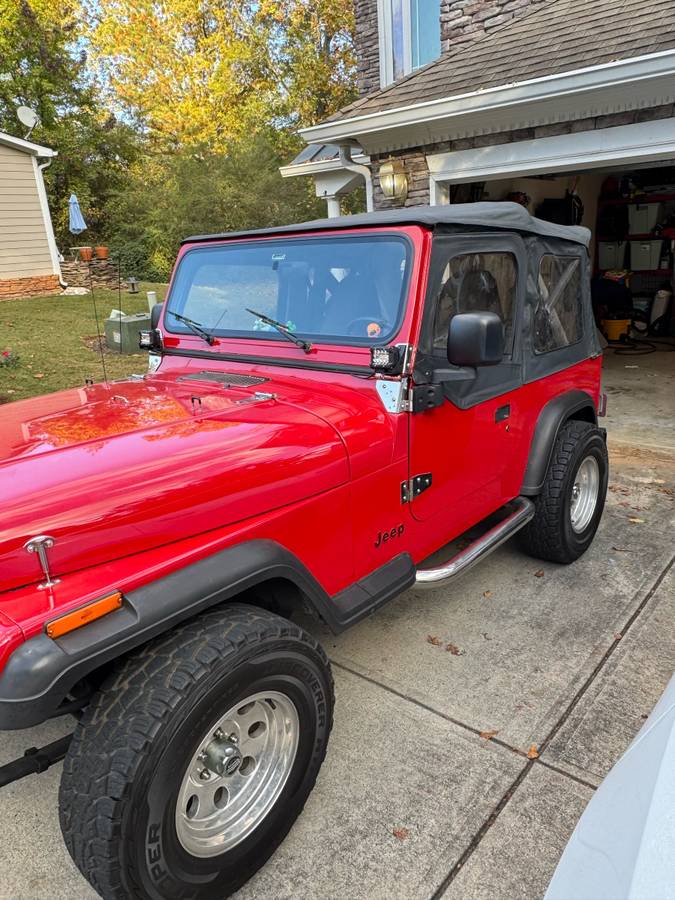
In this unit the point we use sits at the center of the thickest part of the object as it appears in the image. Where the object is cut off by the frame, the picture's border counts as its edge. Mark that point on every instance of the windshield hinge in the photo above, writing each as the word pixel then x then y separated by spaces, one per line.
pixel 415 486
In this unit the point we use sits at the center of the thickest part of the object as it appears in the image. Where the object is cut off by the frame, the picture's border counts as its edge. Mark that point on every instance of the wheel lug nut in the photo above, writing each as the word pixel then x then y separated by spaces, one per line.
pixel 204 774
pixel 219 734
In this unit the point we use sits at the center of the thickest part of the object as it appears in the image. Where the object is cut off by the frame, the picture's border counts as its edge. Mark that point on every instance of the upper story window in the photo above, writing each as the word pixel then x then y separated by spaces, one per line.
pixel 410 36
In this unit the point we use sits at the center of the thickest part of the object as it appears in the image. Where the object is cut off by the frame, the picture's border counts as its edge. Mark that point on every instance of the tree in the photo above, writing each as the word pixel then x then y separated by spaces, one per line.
pixel 213 71
pixel 172 195
pixel 43 65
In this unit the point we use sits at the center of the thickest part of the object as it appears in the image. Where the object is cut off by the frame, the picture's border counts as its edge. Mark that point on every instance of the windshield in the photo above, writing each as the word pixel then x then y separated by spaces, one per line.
pixel 346 289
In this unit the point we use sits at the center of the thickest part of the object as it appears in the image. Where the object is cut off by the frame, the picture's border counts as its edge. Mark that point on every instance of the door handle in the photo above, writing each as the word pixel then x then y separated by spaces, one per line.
pixel 503 412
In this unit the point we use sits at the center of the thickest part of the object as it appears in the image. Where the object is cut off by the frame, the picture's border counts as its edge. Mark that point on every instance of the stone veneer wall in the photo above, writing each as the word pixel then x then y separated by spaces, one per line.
pixel 466 20
pixel 416 164
pixel 33 286
pixel 367 43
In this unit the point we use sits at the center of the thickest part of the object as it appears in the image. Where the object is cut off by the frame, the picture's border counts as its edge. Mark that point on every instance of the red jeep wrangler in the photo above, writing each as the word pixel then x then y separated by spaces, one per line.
pixel 329 404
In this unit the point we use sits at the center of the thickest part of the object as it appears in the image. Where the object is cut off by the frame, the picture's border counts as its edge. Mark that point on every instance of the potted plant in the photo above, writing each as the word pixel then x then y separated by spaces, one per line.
pixel 85 254
pixel 101 252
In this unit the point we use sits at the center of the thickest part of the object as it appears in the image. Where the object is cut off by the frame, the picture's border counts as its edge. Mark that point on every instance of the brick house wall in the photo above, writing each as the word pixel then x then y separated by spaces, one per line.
pixel 416 164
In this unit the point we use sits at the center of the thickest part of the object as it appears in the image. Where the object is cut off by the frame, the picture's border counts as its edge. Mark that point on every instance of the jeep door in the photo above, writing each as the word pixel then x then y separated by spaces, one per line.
pixel 467 442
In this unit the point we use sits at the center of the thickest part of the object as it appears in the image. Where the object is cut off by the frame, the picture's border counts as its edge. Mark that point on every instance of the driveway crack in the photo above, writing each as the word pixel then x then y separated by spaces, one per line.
pixel 569 709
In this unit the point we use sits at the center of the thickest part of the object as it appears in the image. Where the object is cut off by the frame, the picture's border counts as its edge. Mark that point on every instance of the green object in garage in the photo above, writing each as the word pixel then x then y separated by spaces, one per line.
pixel 121 332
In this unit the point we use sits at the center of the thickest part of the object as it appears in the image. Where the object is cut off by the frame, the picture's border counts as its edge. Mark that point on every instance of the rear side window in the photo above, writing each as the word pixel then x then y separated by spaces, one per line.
pixel 557 318
pixel 477 282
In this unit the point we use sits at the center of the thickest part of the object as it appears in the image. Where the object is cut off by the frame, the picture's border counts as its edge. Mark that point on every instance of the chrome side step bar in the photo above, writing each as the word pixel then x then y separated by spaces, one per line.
pixel 486 543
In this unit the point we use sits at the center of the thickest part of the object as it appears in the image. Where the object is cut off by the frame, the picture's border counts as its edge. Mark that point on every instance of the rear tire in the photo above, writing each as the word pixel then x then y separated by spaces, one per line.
pixel 569 507
pixel 195 758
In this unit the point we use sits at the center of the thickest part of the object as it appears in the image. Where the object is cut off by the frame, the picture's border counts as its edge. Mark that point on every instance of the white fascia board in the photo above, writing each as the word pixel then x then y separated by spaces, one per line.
pixel 26 146
pixel 46 217
pixel 516 95
pixel 604 147
pixel 319 168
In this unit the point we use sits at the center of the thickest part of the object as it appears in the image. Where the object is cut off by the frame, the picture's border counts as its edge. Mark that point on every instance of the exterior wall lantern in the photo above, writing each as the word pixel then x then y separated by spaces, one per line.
pixel 393 180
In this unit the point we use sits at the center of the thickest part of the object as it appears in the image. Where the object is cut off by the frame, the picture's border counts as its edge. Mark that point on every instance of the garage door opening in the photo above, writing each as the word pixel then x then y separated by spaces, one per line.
pixel 630 211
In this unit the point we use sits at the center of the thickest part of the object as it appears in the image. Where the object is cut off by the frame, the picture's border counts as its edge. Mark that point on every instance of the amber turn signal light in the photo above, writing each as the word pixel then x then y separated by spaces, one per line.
pixel 84 615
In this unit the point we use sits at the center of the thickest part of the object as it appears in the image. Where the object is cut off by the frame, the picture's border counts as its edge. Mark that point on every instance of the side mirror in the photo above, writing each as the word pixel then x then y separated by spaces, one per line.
pixel 155 313
pixel 475 339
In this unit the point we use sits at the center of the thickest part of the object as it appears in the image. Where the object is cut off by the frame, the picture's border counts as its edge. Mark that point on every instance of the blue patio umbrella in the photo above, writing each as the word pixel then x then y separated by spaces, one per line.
pixel 76 222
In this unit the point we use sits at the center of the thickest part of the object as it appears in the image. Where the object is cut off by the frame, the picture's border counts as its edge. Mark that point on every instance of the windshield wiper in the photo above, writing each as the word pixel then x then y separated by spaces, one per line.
pixel 283 330
pixel 195 327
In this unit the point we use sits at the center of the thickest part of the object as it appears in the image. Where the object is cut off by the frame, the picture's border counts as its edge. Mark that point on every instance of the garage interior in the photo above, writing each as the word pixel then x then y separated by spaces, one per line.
pixel 631 214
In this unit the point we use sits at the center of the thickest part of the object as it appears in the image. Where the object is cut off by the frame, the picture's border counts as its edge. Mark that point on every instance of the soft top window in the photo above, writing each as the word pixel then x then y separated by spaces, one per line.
pixel 347 289
pixel 477 282
pixel 558 315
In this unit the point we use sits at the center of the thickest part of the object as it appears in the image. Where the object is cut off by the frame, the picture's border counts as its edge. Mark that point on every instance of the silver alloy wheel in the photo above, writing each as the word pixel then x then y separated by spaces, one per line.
pixel 237 773
pixel 585 494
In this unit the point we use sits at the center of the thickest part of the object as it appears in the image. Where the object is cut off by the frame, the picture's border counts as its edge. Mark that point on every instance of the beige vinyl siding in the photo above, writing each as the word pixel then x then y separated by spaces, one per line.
pixel 24 249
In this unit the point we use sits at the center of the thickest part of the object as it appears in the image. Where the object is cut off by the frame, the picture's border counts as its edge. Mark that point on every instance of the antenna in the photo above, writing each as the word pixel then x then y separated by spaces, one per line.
pixel 98 330
pixel 27 117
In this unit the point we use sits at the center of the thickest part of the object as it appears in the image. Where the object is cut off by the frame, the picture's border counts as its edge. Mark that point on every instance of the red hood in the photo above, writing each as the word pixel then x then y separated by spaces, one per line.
pixel 110 470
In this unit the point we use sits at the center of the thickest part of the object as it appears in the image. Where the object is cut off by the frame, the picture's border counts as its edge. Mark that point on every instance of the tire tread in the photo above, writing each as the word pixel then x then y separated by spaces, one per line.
pixel 126 716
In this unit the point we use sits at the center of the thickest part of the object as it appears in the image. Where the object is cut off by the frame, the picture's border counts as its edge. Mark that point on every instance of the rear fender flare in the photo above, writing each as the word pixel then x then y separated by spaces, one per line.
pixel 570 405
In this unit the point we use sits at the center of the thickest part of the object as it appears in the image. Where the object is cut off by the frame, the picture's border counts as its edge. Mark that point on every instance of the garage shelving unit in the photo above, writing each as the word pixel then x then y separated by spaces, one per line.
pixel 629 201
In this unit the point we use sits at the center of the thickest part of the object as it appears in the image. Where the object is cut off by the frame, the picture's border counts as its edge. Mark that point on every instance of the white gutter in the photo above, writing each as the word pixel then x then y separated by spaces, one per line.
pixel 518 94
pixel 348 163
pixel 46 216
pixel 318 168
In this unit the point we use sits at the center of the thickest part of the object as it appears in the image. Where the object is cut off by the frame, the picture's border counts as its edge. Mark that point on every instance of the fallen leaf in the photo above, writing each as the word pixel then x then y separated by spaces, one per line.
pixel 454 649
pixel 39 375
pixel 488 735
pixel 635 520
pixel 400 833
pixel 432 639
pixel 539 574
pixel 486 635
pixel 617 636
pixel 533 753
pixel 487 593
pixel 620 549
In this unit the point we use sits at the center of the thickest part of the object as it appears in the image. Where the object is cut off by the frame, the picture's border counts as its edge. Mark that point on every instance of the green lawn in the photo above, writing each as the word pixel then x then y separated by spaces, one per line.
pixel 55 340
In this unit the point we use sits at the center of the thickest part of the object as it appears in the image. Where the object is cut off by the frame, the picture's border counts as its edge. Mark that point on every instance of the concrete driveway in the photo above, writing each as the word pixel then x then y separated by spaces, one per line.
pixel 415 800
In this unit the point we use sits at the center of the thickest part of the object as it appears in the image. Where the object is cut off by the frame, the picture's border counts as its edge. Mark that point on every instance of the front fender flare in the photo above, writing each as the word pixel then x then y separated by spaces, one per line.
pixel 552 416
pixel 41 672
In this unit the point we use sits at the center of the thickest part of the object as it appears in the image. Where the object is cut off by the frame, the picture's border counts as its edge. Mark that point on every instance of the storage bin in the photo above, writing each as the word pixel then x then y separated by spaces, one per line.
pixel 645 255
pixel 642 217
pixel 611 254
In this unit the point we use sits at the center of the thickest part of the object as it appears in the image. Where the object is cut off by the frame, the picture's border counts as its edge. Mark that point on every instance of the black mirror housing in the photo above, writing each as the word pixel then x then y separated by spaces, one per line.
pixel 155 314
pixel 475 339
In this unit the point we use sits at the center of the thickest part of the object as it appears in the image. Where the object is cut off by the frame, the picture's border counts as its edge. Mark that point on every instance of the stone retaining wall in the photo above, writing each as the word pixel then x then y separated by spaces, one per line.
pixel 103 273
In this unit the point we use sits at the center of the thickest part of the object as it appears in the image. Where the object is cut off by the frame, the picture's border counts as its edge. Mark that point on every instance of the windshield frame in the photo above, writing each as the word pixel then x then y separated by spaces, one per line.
pixel 317 340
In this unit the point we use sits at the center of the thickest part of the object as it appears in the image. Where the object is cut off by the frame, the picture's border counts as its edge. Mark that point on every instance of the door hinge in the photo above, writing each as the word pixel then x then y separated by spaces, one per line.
pixel 415 486
pixel 426 396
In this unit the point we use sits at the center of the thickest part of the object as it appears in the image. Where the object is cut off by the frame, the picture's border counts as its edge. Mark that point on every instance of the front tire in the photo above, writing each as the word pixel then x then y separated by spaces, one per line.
pixel 192 762
pixel 569 507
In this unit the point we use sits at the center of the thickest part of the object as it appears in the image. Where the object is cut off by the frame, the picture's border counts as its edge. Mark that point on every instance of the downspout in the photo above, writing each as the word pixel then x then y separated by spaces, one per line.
pixel 42 167
pixel 364 171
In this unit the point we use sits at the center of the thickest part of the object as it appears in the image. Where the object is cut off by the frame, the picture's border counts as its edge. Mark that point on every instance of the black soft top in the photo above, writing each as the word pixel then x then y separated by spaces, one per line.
pixel 493 216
